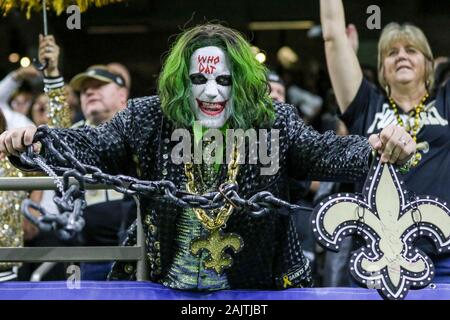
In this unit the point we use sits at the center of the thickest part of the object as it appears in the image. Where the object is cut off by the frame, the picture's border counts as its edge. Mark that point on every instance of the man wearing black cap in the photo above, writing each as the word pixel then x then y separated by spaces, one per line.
pixel 103 93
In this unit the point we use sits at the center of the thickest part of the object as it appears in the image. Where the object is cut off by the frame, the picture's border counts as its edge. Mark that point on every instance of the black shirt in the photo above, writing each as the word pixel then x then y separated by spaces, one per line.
pixel 370 112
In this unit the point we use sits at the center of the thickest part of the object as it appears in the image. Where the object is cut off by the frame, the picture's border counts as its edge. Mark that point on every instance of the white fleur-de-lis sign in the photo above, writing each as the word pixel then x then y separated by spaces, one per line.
pixel 389 222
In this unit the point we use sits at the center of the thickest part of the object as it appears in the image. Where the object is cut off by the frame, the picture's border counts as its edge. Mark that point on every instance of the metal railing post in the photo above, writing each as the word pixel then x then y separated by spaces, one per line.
pixel 71 254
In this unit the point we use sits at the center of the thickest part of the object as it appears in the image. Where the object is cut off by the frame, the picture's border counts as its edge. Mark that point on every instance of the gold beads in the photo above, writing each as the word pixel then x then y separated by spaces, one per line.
pixel 416 127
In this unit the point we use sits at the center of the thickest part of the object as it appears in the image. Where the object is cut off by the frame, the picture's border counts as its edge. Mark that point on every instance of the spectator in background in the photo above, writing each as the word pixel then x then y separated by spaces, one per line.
pixel 442 75
pixel 103 93
pixel 308 104
pixel 12 97
pixel 119 68
pixel 298 188
pixel 22 100
pixel 405 72
pixel 439 60
pixel 8 87
pixel 277 87
pixel 57 116
pixel 73 99
pixel 39 110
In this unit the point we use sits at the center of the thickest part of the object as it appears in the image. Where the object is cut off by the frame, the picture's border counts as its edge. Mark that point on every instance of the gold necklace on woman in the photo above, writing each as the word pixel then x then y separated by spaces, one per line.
pixel 414 130
pixel 216 241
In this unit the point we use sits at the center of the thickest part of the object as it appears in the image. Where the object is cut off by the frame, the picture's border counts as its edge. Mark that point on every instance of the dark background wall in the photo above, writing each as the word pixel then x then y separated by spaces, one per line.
pixel 137 33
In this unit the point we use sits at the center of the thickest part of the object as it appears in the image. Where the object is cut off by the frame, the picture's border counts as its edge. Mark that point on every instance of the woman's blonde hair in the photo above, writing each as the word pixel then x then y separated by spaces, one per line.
pixel 412 35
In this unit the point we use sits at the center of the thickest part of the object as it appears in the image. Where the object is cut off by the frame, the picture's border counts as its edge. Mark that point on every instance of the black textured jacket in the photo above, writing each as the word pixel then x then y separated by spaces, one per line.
pixel 140 136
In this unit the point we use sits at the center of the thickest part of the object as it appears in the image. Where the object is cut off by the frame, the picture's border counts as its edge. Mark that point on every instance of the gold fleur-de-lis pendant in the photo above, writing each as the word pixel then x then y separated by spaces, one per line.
pixel 216 242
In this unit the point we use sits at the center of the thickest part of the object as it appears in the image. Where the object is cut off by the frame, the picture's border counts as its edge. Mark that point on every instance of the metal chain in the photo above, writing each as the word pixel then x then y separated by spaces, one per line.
pixel 71 203
pixel 360 213
pixel 416 214
pixel 50 173
pixel 224 212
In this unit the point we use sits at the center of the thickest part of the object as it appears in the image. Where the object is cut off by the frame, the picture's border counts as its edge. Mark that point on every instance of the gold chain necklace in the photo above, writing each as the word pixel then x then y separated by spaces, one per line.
pixel 415 129
pixel 216 241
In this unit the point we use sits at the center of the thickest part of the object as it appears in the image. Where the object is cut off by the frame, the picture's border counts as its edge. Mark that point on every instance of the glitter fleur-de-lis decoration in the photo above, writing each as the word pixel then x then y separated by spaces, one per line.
pixel 389 222
pixel 216 243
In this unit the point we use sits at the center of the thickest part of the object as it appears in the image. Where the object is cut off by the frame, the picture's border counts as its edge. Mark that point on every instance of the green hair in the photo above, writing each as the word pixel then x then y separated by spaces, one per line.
pixel 252 105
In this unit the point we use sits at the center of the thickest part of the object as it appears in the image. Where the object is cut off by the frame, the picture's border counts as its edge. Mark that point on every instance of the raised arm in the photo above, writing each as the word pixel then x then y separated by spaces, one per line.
pixel 343 66
pixel 13 81
pixel 59 109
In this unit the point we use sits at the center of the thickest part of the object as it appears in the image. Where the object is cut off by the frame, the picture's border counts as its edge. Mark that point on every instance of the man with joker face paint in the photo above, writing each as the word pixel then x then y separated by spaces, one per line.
pixel 210 75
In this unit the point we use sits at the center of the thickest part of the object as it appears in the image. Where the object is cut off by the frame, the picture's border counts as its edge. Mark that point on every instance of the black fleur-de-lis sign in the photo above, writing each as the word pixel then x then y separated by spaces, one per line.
pixel 389 220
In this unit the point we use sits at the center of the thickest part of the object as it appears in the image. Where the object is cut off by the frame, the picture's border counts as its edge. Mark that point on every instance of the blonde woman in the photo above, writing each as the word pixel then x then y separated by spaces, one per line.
pixel 405 71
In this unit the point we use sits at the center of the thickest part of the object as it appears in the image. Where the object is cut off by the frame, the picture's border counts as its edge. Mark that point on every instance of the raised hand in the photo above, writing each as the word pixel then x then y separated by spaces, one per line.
pixel 49 50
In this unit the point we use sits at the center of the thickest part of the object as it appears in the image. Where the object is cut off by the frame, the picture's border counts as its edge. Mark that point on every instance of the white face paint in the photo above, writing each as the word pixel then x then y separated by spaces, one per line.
pixel 210 75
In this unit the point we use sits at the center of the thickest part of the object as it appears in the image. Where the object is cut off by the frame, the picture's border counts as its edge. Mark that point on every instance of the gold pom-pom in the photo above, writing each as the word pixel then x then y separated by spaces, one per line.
pixel 57 6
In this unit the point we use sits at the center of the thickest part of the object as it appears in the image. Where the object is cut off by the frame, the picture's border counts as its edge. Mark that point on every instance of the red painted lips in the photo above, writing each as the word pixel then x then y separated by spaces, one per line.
pixel 211 108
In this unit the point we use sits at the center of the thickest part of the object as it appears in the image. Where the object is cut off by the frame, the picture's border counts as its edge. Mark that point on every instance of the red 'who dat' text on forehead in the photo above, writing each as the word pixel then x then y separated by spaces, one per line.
pixel 206 64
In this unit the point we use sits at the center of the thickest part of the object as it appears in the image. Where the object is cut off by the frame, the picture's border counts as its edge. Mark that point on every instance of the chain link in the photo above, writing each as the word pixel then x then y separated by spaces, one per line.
pixel 69 221
pixel 416 214
pixel 360 213
pixel 223 213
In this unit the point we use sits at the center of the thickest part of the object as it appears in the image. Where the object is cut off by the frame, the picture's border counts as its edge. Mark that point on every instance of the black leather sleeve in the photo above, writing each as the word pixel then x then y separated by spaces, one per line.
pixel 326 156
pixel 110 145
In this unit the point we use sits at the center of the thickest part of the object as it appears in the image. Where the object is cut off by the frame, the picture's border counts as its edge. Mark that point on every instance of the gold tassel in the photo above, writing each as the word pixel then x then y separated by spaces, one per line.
pixel 59 115
pixel 57 6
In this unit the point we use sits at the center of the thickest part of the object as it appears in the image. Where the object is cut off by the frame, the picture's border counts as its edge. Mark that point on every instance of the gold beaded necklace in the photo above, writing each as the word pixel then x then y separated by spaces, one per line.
pixel 216 241
pixel 413 131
